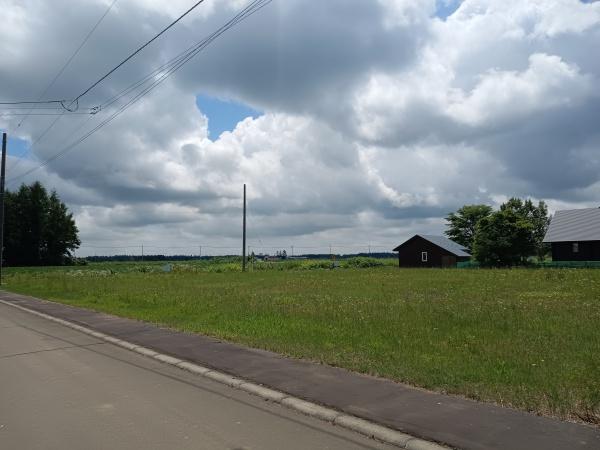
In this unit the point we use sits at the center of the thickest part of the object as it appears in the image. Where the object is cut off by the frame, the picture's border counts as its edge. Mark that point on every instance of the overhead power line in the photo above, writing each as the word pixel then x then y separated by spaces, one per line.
pixel 33 108
pixel 157 77
pixel 138 50
pixel 111 71
pixel 76 100
pixel 39 101
pixel 173 65
pixel 63 68
pixel 11 114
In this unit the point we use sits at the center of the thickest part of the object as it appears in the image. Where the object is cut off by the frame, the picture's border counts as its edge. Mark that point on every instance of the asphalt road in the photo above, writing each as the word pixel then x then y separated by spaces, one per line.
pixel 61 389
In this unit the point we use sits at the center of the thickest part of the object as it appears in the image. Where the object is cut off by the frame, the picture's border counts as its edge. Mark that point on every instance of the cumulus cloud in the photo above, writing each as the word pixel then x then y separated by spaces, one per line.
pixel 407 12
pixel 508 96
pixel 379 116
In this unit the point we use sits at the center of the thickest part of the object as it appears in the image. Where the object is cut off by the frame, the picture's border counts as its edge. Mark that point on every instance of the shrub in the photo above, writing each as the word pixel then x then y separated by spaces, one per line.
pixel 362 262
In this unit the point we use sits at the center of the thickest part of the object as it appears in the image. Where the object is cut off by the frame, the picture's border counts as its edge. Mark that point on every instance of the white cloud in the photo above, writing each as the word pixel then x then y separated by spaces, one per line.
pixel 533 19
pixel 502 96
pixel 407 12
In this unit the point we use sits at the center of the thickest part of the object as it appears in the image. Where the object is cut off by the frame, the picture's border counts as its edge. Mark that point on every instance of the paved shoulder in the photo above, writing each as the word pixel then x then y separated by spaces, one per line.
pixel 63 389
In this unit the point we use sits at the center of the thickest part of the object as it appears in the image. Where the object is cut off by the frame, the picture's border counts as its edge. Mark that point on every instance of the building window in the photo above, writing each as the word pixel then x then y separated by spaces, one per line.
pixel 423 256
pixel 575 247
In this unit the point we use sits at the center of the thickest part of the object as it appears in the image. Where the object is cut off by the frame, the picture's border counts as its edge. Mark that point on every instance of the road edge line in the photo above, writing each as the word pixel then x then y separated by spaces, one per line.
pixel 362 426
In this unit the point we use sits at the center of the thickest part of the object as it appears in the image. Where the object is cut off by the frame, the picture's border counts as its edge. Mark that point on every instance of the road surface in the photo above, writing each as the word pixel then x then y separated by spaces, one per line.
pixel 61 389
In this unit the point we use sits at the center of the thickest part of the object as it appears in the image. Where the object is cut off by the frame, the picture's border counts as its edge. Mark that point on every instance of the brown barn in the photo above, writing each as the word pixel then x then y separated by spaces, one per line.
pixel 430 251
pixel 575 235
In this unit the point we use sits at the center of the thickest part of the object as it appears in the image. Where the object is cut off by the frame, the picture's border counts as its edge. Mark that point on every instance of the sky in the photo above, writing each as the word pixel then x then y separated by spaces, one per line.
pixel 223 115
pixel 354 123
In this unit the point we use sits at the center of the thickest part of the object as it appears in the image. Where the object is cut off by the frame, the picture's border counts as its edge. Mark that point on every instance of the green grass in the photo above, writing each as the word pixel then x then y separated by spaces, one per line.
pixel 528 339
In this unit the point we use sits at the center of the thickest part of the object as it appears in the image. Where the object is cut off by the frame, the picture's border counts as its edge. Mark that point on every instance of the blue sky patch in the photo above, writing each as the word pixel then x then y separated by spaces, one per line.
pixel 223 115
pixel 445 8
pixel 15 146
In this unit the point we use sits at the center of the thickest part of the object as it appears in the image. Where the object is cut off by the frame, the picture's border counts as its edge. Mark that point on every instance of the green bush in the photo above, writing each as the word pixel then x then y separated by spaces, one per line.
pixel 362 262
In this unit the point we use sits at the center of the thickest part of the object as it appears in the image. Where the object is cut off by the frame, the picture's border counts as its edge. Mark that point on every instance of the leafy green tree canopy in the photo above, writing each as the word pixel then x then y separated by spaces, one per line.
pixel 503 239
pixel 39 230
pixel 463 223
pixel 536 215
pixel 512 234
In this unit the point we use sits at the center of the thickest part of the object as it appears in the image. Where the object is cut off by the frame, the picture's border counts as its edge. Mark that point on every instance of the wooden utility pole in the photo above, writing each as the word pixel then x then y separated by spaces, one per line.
pixel 244 235
pixel 2 177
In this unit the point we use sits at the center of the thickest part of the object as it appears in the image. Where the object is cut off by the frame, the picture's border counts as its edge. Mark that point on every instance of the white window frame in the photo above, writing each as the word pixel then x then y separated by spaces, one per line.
pixel 424 257
pixel 575 247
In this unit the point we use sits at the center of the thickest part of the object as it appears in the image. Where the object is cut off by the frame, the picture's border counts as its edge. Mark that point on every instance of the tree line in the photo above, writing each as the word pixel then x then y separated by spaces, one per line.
pixel 506 237
pixel 38 228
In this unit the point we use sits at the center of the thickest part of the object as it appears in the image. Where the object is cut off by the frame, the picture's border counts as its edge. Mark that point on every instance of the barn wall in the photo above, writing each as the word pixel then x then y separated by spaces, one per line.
pixel 409 254
pixel 588 251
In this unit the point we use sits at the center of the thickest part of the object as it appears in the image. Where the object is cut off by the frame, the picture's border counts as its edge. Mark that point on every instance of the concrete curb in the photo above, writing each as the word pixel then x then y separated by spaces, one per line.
pixel 356 424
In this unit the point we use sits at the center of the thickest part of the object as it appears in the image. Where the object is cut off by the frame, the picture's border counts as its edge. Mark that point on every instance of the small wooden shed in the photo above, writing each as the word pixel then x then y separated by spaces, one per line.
pixel 430 251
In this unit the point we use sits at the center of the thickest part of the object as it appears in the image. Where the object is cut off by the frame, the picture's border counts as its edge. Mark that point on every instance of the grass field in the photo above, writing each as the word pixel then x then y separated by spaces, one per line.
pixel 525 338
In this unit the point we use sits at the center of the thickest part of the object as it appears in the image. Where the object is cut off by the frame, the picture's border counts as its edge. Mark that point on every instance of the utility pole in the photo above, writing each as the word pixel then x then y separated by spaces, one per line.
pixel 200 252
pixel 2 177
pixel 292 251
pixel 142 252
pixel 244 235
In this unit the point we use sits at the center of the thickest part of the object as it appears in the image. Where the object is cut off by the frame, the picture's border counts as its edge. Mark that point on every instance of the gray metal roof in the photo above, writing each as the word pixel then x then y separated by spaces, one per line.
pixel 443 242
pixel 574 225
pixel 446 244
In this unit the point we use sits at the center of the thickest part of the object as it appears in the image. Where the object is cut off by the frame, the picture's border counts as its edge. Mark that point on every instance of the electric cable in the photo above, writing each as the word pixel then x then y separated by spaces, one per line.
pixel 76 100
pixel 186 53
pixel 251 9
pixel 111 71
pixel 72 57
pixel 51 84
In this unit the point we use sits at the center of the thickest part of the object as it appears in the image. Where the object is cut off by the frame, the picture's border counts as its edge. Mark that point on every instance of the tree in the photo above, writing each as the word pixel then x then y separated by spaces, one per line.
pixel 60 234
pixel 39 230
pixel 463 223
pixel 503 239
pixel 512 234
pixel 537 216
